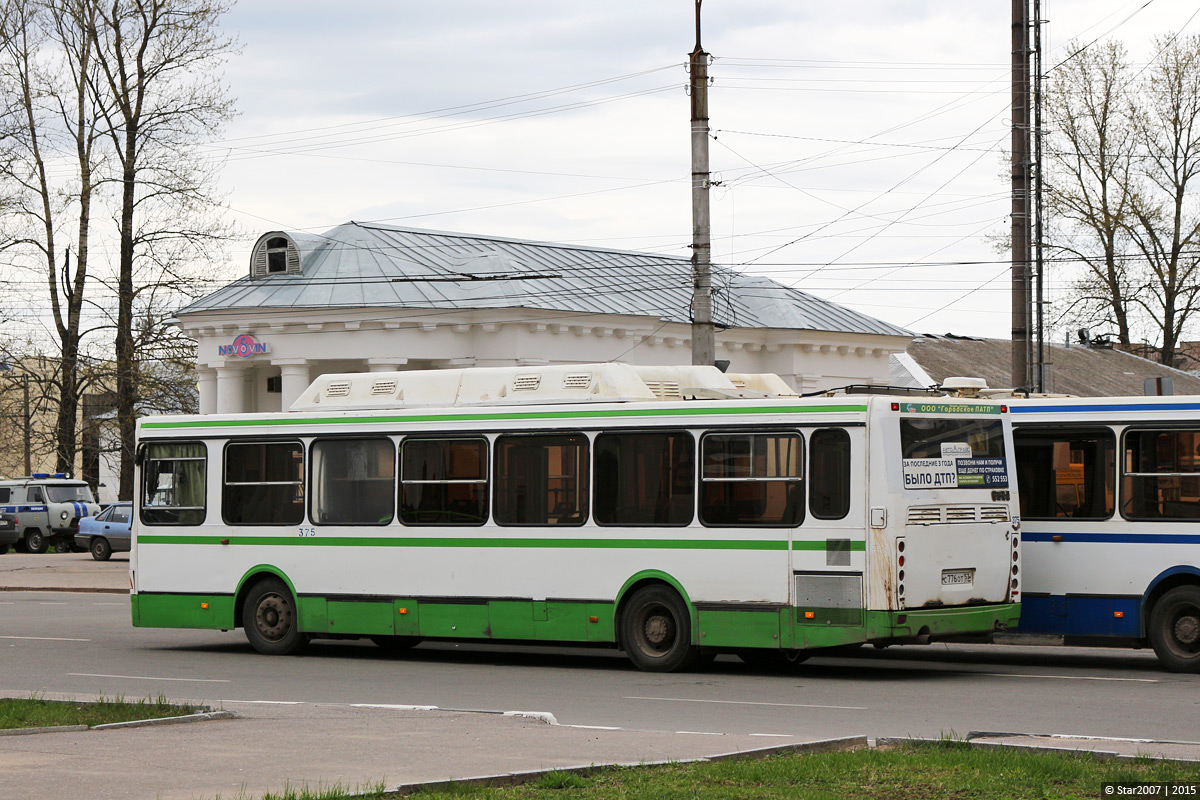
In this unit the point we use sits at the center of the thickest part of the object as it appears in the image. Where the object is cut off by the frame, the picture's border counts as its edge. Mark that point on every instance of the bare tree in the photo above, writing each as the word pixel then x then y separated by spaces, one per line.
pixel 1088 194
pixel 1166 122
pixel 46 59
pixel 157 59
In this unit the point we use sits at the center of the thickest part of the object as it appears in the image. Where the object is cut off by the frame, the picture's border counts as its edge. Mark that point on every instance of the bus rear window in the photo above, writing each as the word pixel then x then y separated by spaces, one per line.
pixel 952 453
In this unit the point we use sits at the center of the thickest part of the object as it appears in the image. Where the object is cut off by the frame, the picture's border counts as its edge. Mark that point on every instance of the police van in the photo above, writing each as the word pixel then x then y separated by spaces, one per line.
pixel 47 508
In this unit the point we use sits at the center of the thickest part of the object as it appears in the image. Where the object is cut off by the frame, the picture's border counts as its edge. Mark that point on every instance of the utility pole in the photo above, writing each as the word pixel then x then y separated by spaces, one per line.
pixel 1021 289
pixel 28 424
pixel 703 336
pixel 1039 373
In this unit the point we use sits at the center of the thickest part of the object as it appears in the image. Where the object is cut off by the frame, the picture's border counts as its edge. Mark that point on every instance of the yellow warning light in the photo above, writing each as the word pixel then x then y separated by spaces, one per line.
pixel 402 611
pixel 1119 614
pixel 204 606
pixel 810 614
pixel 593 619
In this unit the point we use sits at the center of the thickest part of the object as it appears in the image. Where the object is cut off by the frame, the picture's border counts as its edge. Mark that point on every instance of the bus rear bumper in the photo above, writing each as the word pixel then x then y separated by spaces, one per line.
pixel 930 624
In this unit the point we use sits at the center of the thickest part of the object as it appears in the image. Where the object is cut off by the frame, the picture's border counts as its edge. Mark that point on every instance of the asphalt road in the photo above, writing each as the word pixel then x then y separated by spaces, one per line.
pixel 84 644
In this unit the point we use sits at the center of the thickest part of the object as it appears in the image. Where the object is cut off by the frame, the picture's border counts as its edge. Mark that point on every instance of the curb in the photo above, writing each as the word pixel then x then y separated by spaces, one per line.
pixel 136 723
pixel 515 778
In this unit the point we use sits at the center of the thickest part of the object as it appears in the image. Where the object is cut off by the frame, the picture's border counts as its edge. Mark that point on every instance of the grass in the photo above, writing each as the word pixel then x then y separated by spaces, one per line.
pixel 36 712
pixel 949 771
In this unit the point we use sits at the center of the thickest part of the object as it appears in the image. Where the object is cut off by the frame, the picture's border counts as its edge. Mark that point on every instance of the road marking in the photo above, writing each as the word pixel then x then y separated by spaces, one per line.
pixel 394 707
pixel 54 604
pixel 45 638
pixel 745 703
pixel 594 727
pixel 146 678
pixel 776 735
pixel 700 733
pixel 267 702
pixel 1063 677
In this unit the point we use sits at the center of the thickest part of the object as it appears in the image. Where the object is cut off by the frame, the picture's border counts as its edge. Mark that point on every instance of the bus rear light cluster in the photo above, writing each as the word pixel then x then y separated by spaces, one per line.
pixel 900 573
pixel 1015 584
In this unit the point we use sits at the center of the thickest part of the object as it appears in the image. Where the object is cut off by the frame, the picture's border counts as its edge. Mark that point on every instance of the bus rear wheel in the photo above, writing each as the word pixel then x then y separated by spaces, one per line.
pixel 1175 629
pixel 269 617
pixel 656 631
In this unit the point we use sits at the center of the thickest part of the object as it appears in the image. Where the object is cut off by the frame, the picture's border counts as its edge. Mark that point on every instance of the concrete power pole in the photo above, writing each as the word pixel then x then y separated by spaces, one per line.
pixel 703 336
pixel 1021 233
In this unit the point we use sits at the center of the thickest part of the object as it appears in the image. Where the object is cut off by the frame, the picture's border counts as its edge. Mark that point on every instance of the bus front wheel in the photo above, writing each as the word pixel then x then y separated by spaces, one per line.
pixel 656 631
pixel 1175 629
pixel 35 541
pixel 269 617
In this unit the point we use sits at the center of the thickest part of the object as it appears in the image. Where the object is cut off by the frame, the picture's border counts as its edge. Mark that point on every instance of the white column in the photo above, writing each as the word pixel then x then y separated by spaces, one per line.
pixel 293 379
pixel 385 364
pixel 231 390
pixel 206 386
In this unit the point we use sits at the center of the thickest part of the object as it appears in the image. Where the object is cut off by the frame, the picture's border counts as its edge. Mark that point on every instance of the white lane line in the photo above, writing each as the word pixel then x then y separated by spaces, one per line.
pixel 776 735
pixel 45 638
pixel 595 727
pixel 265 702
pixel 745 703
pixel 146 678
pixel 1063 677
pixel 699 733
pixel 54 604
pixel 394 707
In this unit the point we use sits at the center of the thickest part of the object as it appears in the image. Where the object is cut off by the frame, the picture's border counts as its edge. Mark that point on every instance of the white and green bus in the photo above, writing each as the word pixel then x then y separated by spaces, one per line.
pixel 674 513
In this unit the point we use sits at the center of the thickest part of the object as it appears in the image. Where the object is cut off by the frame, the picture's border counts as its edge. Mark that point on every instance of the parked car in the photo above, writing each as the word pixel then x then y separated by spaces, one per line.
pixel 9 535
pixel 107 532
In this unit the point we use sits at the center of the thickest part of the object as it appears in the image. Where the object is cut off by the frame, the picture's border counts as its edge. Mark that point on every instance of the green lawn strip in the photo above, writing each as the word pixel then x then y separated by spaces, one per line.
pixel 36 712
pixel 952 771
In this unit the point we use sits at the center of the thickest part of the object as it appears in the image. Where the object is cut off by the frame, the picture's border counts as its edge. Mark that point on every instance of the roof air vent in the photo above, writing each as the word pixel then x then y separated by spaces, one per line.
pixel 338 389
pixel 526 383
pixel 665 389
pixel 577 380
pixel 383 387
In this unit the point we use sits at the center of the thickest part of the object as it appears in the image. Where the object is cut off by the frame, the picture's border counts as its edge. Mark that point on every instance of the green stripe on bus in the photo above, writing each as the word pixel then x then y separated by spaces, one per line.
pixel 523 415
pixel 431 541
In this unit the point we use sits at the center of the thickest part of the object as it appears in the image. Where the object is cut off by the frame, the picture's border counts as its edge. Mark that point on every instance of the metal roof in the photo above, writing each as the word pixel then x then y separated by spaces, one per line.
pixel 361 265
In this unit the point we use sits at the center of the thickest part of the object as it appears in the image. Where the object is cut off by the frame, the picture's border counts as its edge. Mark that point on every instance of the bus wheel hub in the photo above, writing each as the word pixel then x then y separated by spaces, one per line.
pixel 657 630
pixel 1187 630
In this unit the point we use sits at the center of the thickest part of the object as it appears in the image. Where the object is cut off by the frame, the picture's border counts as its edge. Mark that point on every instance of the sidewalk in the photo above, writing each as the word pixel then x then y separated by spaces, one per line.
pixel 63 572
pixel 271 747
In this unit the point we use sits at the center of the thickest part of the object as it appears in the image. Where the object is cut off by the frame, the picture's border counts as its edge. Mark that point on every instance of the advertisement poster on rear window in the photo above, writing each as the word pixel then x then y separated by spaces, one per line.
pixel 957 468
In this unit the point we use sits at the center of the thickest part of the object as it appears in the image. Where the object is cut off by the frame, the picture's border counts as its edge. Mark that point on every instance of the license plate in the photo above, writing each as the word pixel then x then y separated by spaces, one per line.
pixel 958 577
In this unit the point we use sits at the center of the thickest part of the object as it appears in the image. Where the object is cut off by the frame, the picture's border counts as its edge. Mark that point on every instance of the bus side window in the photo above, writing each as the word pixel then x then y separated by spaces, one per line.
pixel 1161 475
pixel 542 480
pixel 645 478
pixel 829 474
pixel 173 483
pixel 751 479
pixel 1066 473
pixel 353 481
pixel 264 483
pixel 443 481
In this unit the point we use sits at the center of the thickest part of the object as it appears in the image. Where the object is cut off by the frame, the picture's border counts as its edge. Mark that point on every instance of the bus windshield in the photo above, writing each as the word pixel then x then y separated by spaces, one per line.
pixel 952 453
pixel 70 494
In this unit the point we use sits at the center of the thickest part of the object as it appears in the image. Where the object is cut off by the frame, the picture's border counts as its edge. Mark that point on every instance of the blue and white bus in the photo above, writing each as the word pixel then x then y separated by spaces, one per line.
pixel 1110 507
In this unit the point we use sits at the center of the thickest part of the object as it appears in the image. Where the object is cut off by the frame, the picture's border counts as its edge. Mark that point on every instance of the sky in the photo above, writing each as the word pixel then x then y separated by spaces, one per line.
pixel 857 151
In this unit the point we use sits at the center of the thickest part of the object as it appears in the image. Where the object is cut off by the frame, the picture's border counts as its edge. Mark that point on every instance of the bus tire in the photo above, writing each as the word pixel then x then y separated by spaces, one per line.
pixel 656 631
pixel 35 541
pixel 101 549
pixel 269 617
pixel 1175 629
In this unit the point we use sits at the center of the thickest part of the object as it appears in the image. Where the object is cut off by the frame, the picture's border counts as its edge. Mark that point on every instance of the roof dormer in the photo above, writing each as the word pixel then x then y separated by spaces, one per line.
pixel 274 253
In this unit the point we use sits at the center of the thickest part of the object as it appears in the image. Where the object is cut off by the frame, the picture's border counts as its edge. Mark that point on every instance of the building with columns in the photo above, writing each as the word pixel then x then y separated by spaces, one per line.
pixel 366 297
